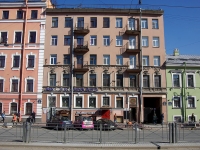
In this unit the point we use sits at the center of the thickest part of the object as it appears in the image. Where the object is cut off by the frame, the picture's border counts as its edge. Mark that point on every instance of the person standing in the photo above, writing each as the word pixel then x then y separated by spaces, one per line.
pixel 3 116
pixel 154 119
pixel 193 118
pixel 162 118
pixel 115 118
pixel 33 117
pixel 14 119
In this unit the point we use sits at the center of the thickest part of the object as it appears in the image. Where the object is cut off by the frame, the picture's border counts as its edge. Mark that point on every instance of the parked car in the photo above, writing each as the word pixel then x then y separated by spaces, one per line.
pixel 106 124
pixel 83 122
pixel 59 122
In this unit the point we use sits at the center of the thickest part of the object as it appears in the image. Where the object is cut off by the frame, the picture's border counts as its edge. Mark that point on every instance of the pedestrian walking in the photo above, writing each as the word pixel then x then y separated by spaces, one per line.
pixel 29 119
pixel 3 116
pixel 193 118
pixel 14 119
pixel 154 119
pixel 162 118
pixel 115 118
pixel 33 117
pixel 18 116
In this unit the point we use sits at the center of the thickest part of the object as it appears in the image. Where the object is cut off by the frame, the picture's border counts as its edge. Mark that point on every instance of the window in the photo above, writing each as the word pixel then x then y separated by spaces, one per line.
pixel 32 37
pixel 145 81
pixel 80 22
pixel 34 14
pixel 54 22
pixel 191 102
pixel 67 22
pixel 156 60
pixel 2 61
pixel 1 108
pixel 144 24
pixel 156 42
pixel 119 41
pixel 132 79
pixel 66 81
pixel 52 79
pixel 93 22
pixel 3 37
pixel 13 108
pixel 79 102
pixel 54 39
pixel 106 40
pixel 31 61
pixel 67 40
pixel 29 85
pixel 154 23
pixel 92 102
pixel 106 79
pixel 106 59
pixel 29 108
pixel 66 59
pixel 14 86
pixel 106 101
pixel 157 80
pixel 145 60
pixel 53 59
pixel 118 22
pixel 119 102
pixel 80 41
pixel 93 40
pixel 119 80
pixel 19 14
pixel 79 80
pixel 16 61
pixel 119 59
pixel 93 59
pixel 92 79
pixel 106 22
pixel 18 37
pixel 177 119
pixel 145 41
pixel 52 101
pixel 1 85
pixel 190 80
pixel 65 101
pixel 176 80
pixel 5 15
pixel 176 102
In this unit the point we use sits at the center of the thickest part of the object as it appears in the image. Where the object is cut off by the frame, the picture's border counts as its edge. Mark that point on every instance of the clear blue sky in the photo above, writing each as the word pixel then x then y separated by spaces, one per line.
pixel 181 21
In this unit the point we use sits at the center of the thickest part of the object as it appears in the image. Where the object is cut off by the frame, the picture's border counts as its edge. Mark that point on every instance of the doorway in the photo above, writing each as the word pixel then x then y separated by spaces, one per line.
pixel 133 114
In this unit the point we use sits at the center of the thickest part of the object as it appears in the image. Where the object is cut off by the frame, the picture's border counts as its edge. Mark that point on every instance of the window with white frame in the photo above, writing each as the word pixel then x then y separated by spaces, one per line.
pixel 106 101
pixel 67 40
pixel 5 14
pixel 29 85
pixel 157 81
pixel 156 42
pixel 92 79
pixel 65 101
pixel 52 79
pixel 145 60
pixel 92 102
pixel 190 80
pixel 106 59
pixel 176 80
pixel 18 37
pixel 119 102
pixel 54 39
pixel 156 60
pixel 176 102
pixel 29 108
pixel 13 108
pixel 93 40
pixel 119 78
pixel 54 22
pixel 119 59
pixel 79 101
pixel 118 22
pixel 177 118
pixel 106 79
pixel 154 23
pixel 1 85
pixel 52 101
pixel 32 37
pixel 119 41
pixel 2 61
pixel 132 79
pixel 4 37
pixel 53 58
pixel 14 85
pixel 93 59
pixel 144 24
pixel 106 40
pixel 66 81
pixel 145 41
pixel 16 61
pixel 191 102
pixel 145 81
pixel 31 61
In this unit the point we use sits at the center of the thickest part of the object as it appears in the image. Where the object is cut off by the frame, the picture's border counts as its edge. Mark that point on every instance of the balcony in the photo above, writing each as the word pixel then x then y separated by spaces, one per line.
pixel 132 48
pixel 81 28
pixel 81 47
pixel 132 68
pixel 81 66
pixel 132 30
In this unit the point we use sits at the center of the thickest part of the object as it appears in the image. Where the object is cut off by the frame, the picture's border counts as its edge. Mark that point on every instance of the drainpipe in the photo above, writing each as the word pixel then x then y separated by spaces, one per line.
pixel 184 98
pixel 22 60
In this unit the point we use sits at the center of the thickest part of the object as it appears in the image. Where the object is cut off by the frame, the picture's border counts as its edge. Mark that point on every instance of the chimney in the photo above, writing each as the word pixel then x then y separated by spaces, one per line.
pixel 176 52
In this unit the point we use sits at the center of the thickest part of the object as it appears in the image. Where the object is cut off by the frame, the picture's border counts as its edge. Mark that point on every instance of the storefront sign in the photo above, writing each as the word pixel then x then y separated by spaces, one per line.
pixel 49 89
pixel 133 102
pixel 85 113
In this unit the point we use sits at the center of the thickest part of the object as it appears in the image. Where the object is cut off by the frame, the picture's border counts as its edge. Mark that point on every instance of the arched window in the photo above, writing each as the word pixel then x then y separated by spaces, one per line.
pixel 13 108
pixel 1 108
pixel 29 108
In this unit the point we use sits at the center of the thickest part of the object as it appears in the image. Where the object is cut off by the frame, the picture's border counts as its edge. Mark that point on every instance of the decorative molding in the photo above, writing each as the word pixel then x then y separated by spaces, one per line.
pixel 66 69
pixel 52 68
pixel 157 70
pixel 105 69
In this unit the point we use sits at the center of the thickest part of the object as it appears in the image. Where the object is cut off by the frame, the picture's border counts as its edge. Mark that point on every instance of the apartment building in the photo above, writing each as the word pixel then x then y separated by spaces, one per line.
pixel 21 57
pixel 182 73
pixel 93 62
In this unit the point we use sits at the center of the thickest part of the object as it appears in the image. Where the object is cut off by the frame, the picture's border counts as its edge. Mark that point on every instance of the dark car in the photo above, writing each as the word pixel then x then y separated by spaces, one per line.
pixel 106 124
pixel 59 123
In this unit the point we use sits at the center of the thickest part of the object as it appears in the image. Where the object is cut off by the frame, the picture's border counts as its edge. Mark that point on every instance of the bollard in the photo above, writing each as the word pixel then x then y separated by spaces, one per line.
pixel 135 133
pixel 65 141
pixel 100 139
pixel 170 131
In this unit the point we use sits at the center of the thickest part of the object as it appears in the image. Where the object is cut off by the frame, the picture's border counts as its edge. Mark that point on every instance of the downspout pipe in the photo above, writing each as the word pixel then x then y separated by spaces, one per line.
pixel 22 61
pixel 184 98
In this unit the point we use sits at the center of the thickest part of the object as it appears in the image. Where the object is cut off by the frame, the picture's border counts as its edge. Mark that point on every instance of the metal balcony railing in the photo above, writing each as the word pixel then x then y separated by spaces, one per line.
pixel 81 26
pixel 81 45
pixel 80 65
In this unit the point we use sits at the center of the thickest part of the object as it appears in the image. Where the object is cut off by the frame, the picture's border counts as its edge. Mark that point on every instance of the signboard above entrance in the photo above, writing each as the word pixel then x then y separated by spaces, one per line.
pixel 82 89
pixel 133 102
